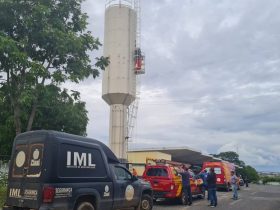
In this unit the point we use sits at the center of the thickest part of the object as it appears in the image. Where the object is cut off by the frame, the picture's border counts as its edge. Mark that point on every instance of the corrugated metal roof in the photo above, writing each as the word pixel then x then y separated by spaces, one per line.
pixel 182 154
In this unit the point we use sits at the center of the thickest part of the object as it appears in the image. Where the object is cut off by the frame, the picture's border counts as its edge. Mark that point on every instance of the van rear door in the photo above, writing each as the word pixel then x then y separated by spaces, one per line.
pixel 24 188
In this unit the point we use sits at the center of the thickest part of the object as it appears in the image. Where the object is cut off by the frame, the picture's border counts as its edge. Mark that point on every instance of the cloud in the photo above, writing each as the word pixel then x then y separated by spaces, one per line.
pixel 98 110
pixel 212 78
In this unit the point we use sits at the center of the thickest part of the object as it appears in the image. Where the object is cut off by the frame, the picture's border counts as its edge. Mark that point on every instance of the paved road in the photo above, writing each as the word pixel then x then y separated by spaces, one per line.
pixel 256 197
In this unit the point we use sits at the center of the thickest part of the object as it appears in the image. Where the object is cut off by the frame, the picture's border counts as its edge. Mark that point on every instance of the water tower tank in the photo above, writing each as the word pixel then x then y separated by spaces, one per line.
pixel 119 78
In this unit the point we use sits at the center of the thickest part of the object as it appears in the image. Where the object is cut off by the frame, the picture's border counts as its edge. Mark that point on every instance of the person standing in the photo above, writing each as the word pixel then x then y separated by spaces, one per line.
pixel 203 175
pixel 212 188
pixel 186 186
pixel 246 181
pixel 234 184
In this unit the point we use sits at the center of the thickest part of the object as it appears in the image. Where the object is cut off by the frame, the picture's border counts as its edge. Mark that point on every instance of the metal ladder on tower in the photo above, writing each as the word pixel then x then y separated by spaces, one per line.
pixel 132 110
pixel 138 31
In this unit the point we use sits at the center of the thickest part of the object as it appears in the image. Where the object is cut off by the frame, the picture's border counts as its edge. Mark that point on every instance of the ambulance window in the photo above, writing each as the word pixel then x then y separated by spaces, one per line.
pixel 218 170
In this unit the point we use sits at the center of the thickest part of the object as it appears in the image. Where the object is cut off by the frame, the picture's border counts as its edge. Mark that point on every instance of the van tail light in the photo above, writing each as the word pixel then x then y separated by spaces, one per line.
pixel 48 194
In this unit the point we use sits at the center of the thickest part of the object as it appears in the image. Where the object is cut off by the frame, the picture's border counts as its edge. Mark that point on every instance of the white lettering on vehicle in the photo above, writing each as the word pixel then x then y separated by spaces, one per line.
pixel 14 193
pixel 30 194
pixel 35 161
pixel 63 192
pixel 76 160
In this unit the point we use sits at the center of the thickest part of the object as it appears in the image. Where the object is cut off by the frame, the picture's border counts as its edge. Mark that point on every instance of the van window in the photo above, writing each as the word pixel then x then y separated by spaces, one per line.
pixel 80 161
pixel 28 160
pixel 20 160
pixel 122 174
pixel 35 160
pixel 157 172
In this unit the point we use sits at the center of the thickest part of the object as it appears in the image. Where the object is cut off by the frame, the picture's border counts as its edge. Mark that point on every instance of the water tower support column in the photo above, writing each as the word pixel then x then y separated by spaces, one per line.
pixel 118 119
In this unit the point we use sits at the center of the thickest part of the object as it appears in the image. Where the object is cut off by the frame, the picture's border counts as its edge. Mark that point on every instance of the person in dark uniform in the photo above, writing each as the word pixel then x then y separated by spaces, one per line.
pixel 246 181
pixel 186 186
pixel 211 181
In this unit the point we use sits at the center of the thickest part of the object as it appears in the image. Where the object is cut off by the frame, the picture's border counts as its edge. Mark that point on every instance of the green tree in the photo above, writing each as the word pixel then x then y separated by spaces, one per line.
pixel 42 42
pixel 230 156
pixel 62 111
pixel 57 110
pixel 245 170
pixel 7 131
pixel 250 173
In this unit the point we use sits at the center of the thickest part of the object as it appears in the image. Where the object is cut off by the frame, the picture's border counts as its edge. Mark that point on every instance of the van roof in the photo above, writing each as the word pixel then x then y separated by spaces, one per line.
pixel 110 155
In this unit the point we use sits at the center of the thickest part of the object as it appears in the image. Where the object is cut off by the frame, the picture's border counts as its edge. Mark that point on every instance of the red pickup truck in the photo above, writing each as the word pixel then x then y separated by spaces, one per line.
pixel 167 182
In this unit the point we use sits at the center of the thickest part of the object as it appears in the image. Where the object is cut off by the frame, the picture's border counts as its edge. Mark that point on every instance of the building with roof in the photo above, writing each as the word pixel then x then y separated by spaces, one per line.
pixel 138 157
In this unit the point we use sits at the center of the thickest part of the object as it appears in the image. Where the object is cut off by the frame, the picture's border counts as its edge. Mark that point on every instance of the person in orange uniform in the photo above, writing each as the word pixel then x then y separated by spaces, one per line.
pixel 134 172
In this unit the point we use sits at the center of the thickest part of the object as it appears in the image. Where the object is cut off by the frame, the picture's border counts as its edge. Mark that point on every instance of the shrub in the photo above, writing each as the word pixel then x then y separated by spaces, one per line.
pixel 3 185
pixel 3 178
pixel 267 179
pixel 2 195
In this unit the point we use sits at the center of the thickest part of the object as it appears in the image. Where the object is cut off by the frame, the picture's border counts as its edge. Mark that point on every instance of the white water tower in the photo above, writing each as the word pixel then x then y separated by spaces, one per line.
pixel 119 78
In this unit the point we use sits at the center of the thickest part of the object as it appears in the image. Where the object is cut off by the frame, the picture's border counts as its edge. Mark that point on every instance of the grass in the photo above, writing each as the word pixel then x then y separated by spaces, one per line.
pixel 2 195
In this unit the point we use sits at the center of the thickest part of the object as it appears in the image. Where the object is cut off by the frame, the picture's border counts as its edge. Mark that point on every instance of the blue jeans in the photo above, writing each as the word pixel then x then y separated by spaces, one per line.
pixel 204 189
pixel 188 193
pixel 234 189
pixel 213 196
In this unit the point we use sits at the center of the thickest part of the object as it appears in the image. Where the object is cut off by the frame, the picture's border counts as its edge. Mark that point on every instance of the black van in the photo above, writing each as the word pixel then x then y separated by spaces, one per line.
pixel 54 170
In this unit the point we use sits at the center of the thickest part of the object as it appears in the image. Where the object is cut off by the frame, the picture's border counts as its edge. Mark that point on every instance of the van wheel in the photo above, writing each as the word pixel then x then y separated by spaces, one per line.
pixel 146 202
pixel 85 206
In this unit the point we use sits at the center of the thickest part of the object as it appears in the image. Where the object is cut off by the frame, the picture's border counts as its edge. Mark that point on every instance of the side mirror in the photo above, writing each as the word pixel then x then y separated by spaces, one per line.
pixel 134 178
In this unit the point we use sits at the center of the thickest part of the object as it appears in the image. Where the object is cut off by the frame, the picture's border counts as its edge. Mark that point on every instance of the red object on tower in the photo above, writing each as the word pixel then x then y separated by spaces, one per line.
pixel 138 61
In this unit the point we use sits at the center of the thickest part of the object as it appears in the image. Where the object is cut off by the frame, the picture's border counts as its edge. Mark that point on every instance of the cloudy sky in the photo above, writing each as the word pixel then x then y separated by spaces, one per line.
pixel 212 78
